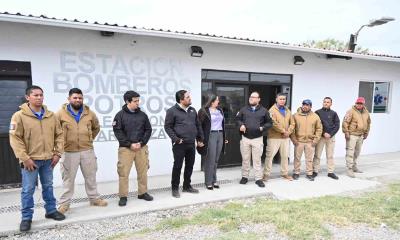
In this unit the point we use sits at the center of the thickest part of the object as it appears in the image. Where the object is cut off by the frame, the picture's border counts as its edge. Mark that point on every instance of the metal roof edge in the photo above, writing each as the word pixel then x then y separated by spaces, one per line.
pixel 178 35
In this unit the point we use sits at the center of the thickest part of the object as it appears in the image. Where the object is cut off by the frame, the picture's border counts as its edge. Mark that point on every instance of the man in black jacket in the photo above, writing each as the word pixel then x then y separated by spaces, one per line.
pixel 331 123
pixel 183 127
pixel 133 130
pixel 253 120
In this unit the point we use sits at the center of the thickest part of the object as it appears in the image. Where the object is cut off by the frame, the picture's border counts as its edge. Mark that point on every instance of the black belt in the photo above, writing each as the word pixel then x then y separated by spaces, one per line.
pixel 217 130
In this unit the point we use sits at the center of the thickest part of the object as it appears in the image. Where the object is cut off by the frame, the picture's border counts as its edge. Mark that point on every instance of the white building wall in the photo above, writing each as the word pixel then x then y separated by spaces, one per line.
pixel 158 67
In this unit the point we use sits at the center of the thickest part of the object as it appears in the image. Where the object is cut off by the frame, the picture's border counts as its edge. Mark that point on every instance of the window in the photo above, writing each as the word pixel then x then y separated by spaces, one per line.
pixel 224 75
pixel 270 78
pixel 376 96
pixel 218 75
pixel 206 91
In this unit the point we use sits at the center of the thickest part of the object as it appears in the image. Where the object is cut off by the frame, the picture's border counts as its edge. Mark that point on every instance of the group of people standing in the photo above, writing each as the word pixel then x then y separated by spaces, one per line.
pixel 41 138
pixel 310 132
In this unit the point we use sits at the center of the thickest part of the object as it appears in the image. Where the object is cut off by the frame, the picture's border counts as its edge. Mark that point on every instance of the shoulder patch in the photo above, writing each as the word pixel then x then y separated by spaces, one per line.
pixel 12 126
pixel 347 116
pixel 114 123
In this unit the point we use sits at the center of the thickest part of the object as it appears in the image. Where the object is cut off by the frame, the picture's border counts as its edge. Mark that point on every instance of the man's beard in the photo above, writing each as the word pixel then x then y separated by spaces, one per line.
pixel 253 104
pixel 76 106
pixel 187 105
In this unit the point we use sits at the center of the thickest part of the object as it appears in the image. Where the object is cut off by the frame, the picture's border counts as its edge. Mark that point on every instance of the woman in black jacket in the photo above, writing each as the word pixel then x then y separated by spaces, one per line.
pixel 212 122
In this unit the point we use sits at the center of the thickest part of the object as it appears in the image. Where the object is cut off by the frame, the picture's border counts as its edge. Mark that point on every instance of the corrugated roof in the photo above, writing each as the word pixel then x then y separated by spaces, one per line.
pixel 75 23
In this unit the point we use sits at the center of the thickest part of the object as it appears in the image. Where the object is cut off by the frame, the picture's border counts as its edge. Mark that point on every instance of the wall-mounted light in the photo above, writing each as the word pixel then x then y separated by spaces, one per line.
pixel 298 60
pixel 330 56
pixel 196 51
pixel 106 33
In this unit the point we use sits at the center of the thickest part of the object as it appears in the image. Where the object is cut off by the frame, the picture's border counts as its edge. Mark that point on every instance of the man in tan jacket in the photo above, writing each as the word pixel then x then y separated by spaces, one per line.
pixel 37 141
pixel 356 125
pixel 278 136
pixel 80 126
pixel 307 133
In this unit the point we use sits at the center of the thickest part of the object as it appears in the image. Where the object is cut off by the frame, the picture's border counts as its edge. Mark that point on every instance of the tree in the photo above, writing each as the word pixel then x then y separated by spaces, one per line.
pixel 333 44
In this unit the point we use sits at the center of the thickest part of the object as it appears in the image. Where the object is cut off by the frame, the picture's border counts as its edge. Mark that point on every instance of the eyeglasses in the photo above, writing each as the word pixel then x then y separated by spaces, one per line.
pixel 254 97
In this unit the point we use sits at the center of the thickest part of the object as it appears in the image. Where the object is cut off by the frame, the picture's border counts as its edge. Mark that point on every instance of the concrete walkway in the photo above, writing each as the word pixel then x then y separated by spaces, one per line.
pixel 374 167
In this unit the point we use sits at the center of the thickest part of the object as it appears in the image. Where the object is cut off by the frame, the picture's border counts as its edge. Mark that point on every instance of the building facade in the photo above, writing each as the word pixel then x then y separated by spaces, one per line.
pixel 58 55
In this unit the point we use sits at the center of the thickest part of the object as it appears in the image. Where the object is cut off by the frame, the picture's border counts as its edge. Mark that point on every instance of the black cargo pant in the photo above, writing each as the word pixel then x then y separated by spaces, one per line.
pixel 183 152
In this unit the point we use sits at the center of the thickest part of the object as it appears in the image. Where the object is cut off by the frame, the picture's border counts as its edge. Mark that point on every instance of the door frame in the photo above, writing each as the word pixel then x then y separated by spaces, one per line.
pixel 14 71
pixel 215 82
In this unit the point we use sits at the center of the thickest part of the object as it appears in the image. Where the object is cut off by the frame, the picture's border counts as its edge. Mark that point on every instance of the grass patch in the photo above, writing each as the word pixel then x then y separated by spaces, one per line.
pixel 302 219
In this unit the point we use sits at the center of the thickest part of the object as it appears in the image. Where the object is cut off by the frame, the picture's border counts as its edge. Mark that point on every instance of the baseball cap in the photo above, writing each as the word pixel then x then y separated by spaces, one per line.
pixel 360 100
pixel 307 102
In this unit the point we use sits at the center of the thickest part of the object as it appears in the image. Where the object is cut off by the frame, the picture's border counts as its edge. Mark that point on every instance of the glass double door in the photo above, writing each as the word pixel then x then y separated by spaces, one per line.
pixel 232 98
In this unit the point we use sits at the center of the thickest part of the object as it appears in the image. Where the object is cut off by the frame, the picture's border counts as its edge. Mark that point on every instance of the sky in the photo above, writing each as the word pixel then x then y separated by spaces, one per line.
pixel 287 21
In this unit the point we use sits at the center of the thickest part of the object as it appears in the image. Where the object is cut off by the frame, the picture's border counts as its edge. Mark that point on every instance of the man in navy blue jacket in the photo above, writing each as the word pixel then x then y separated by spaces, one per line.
pixel 330 123
pixel 253 120
pixel 183 127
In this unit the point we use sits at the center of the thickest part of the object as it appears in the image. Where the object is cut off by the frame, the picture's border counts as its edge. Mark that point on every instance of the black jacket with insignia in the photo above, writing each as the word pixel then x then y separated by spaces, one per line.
pixel 253 120
pixel 181 124
pixel 131 127
pixel 330 121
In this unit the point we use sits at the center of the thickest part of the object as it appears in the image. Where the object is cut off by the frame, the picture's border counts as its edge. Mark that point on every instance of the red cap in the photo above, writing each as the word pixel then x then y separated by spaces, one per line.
pixel 360 100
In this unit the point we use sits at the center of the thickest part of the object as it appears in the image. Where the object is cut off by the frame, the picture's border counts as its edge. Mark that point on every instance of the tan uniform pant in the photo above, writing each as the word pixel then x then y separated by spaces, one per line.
pixel 273 146
pixel 309 150
pixel 329 144
pixel 251 149
pixel 353 149
pixel 126 157
pixel 69 164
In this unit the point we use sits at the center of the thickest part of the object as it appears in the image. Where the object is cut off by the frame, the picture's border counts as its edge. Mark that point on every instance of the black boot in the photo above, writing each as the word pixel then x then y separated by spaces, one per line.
pixel 295 176
pixel 260 183
pixel 243 180
pixel 145 196
pixel 190 189
pixel 122 201
pixel 332 175
pixel 25 225
pixel 56 216
pixel 310 177
pixel 175 193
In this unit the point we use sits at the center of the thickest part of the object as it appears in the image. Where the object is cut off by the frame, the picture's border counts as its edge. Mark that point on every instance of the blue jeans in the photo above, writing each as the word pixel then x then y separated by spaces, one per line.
pixel 29 181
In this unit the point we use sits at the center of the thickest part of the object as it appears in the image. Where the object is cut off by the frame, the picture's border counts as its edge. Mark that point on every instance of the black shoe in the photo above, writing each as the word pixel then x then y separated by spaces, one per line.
pixel 332 175
pixel 175 193
pixel 122 201
pixel 56 216
pixel 216 185
pixel 310 177
pixel 295 176
pixel 314 174
pixel 25 225
pixel 145 196
pixel 260 183
pixel 190 189
pixel 243 180
pixel 210 187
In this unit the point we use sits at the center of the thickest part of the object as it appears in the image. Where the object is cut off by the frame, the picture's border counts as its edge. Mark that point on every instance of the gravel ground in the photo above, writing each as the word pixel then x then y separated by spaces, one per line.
pixel 106 228
pixel 129 227
pixel 364 232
